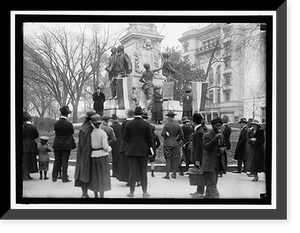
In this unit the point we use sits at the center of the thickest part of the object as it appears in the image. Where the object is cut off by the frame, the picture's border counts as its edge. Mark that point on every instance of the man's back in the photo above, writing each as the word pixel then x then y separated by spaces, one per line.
pixel 174 131
pixel 138 135
pixel 63 135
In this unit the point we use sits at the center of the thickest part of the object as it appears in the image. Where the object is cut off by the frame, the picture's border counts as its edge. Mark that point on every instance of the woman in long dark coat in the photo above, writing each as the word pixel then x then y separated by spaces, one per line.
pixel 84 150
pixel 157 108
pixel 256 140
pixel 30 133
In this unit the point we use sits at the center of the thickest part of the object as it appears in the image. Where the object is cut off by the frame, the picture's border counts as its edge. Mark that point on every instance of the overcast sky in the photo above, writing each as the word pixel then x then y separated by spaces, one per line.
pixel 171 31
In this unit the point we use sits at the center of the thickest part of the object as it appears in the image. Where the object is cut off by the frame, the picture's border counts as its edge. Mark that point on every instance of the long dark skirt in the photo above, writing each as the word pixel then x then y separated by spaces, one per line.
pixel 100 174
pixel 157 116
pixel 29 163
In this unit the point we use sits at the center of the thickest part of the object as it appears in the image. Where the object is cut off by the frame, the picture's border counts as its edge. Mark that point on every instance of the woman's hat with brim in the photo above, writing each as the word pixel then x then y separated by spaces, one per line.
pixel 96 119
pixel 89 113
pixel 138 110
pixel 105 118
pixel 65 110
pixel 197 118
pixel 171 114
pixel 45 138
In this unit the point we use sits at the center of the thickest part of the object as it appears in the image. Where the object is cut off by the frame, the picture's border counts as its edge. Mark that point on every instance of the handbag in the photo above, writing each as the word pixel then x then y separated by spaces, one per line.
pixel 196 177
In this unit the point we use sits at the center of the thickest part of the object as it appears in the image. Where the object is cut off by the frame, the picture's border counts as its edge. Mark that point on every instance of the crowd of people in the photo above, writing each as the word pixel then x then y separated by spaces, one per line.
pixel 130 146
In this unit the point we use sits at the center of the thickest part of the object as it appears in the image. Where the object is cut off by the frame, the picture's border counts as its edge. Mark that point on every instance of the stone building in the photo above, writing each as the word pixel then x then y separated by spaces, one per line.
pixel 235 57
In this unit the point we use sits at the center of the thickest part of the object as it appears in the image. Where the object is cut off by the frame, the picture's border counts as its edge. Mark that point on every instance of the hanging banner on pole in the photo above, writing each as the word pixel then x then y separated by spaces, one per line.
pixel 199 91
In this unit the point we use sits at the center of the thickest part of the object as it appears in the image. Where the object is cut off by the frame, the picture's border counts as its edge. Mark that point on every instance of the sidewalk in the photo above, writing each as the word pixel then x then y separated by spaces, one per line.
pixel 230 186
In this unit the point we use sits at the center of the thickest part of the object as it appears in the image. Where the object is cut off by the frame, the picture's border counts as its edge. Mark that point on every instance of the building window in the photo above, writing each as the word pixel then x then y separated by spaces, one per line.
pixel 218 75
pixel 227 96
pixel 218 95
pixel 226 47
pixel 227 79
pixel 186 46
pixel 211 76
pixel 227 61
pixel 210 96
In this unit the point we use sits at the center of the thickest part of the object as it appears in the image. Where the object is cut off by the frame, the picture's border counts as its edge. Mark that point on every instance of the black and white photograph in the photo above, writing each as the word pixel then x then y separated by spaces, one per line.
pixel 145 112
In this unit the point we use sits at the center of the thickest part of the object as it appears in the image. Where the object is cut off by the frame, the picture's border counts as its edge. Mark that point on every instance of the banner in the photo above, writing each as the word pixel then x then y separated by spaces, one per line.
pixel 199 92
pixel 124 92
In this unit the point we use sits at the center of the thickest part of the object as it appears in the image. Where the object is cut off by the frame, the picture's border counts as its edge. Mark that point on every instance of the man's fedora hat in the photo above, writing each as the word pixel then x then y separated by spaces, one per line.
pixel 96 119
pixel 243 120
pixel 114 117
pixel 185 119
pixel 145 115
pixel 197 118
pixel 216 120
pixel 171 114
pixel 138 110
pixel 65 110
pixel 130 113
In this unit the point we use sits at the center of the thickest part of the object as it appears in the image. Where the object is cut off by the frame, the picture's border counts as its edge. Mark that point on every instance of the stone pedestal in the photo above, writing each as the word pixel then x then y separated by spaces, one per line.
pixel 168 90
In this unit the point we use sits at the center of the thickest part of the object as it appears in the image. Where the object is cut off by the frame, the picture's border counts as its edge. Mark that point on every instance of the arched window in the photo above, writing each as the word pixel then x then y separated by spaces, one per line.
pixel 211 76
pixel 218 75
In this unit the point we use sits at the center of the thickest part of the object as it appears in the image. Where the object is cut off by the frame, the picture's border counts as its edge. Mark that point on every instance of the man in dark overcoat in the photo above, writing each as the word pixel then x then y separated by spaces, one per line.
pixel 84 150
pixel 209 161
pixel 63 144
pixel 172 134
pixel 187 100
pixel 197 149
pixel 138 135
pixel 241 149
pixel 99 99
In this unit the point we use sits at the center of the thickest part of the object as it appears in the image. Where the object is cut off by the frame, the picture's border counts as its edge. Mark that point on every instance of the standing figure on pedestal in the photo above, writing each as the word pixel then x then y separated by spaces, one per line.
pixel 123 63
pixel 99 99
pixel 111 69
pixel 187 104
pixel 167 68
pixel 147 88
pixel 157 108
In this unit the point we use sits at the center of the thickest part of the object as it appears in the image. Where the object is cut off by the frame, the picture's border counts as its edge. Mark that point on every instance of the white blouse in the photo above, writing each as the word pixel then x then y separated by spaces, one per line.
pixel 99 143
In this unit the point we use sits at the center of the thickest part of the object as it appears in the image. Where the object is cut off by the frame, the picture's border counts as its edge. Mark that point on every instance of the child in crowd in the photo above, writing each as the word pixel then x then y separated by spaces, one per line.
pixel 44 157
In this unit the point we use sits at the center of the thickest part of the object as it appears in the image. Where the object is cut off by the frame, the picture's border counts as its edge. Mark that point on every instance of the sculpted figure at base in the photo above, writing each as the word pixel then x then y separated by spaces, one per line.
pixel 111 69
pixel 147 88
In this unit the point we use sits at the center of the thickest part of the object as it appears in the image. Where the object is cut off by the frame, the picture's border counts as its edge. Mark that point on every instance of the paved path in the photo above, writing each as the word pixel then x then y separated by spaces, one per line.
pixel 230 186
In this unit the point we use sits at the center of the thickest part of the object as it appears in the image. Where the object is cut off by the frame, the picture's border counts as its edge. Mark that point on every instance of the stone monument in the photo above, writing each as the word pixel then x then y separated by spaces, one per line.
pixel 142 43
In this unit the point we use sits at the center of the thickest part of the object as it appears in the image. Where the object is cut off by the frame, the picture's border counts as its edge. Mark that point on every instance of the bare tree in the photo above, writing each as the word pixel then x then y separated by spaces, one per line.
pixel 67 60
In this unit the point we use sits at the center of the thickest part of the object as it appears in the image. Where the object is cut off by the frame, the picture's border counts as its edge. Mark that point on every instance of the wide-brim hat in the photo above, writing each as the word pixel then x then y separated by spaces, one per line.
pixel 65 110
pixel 45 138
pixel 197 118
pixel 96 119
pixel 145 115
pixel 105 118
pixel 171 113
pixel 216 120
pixel 138 110
pixel 185 119
pixel 89 113
pixel 243 120
pixel 255 122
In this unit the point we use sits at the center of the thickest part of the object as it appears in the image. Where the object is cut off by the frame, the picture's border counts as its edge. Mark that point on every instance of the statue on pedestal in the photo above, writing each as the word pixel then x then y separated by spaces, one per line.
pixel 147 88
pixel 119 66
pixel 167 70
